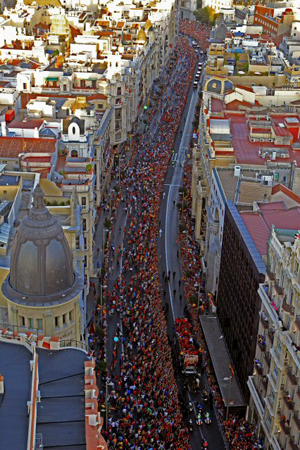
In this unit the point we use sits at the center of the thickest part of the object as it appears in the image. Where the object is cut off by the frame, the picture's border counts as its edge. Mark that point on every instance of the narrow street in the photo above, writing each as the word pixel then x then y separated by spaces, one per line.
pixel 134 292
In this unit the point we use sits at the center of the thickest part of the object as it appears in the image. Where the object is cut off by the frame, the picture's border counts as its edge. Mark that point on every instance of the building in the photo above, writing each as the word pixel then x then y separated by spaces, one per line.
pixel 274 18
pixel 241 271
pixel 42 289
pixel 274 386
pixel 217 5
pixel 50 391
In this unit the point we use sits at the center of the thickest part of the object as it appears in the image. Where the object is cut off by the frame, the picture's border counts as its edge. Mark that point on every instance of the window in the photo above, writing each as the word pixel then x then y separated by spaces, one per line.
pixel 77 242
pixel 30 323
pixel 100 105
pixel 74 129
pixel 56 322
pixel 119 90
pixel 22 321
pixel 83 201
pixel 84 224
pixel 70 316
pixel 39 324
pixel 64 319
pixel 118 136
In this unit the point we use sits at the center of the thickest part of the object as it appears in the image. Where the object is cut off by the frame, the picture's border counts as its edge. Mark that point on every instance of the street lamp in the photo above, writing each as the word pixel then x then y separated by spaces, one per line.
pixel 197 285
pixel 106 400
pixel 102 286
pixel 229 389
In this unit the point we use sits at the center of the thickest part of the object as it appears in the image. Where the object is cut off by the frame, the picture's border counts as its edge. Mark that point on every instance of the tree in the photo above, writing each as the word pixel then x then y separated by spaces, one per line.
pixel 206 15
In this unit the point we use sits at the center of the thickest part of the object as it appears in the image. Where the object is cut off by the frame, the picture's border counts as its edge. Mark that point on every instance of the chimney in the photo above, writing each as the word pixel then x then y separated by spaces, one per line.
pixel 3 129
pixel 1 384
pixel 36 133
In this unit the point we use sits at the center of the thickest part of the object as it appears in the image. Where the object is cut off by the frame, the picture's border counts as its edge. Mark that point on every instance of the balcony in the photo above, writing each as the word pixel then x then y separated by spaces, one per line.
pixel 288 308
pixel 261 342
pixel 293 443
pixel 288 401
pixel 264 321
pixel 297 419
pixel 258 366
pixel 268 358
pixel 285 426
pixel 271 333
pixel 268 304
pixel 293 379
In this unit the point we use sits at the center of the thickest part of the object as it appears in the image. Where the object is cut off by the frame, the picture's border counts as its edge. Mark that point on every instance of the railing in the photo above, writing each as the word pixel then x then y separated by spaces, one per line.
pixel 292 377
pixel 271 333
pixel 288 401
pixel 285 426
pixel 297 419
pixel 268 358
pixel 288 308
pixel 72 343
pixel 294 445
pixel 264 321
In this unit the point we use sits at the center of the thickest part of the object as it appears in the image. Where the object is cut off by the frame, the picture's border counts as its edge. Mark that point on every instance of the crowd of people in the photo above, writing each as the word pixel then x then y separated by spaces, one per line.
pixel 144 396
pixel 144 406
pixel 239 434
pixel 198 31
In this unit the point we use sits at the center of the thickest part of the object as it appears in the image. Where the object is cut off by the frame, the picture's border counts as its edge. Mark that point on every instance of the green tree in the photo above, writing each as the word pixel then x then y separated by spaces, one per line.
pixel 206 15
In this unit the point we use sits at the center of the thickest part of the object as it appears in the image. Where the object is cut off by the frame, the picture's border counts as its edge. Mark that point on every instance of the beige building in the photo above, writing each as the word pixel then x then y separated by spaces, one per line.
pixel 43 290
pixel 274 387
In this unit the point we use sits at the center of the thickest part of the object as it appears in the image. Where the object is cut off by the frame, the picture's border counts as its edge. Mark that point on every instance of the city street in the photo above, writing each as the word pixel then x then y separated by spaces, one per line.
pixel 127 256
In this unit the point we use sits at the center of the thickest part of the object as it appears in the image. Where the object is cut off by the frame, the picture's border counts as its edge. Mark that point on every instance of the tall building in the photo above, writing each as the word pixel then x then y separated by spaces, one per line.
pixel 274 387
pixel 42 289
pixel 243 268
pixel 241 271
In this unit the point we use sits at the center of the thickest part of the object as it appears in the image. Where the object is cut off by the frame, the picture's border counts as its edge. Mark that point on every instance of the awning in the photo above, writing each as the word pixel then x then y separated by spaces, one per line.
pixel 51 78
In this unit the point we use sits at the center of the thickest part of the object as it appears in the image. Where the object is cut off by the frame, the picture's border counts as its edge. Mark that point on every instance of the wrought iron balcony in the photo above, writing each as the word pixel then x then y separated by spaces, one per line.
pixel 294 445
pixel 297 419
pixel 268 358
pixel 264 321
pixel 288 308
pixel 258 367
pixel 261 342
pixel 292 377
pixel 285 426
pixel 288 401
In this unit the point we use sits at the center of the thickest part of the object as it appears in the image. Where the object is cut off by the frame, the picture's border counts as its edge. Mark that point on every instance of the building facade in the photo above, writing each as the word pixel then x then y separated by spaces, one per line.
pixel 241 271
pixel 274 386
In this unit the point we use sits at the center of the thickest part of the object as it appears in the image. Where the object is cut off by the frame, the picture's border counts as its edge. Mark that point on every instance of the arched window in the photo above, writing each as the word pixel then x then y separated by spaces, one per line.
pixel 74 130
pixel 74 153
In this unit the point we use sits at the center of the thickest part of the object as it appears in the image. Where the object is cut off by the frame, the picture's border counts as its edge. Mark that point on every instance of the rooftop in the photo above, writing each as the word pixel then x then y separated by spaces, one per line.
pixel 61 413
pixel 221 361
pixel 15 367
pixel 11 147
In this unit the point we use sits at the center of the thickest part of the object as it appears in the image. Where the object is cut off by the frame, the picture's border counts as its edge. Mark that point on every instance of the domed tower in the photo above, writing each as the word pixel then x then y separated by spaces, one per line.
pixel 42 288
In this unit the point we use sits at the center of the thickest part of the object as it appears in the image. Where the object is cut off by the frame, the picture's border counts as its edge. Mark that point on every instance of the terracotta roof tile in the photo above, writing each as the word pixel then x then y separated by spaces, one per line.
pixel 12 147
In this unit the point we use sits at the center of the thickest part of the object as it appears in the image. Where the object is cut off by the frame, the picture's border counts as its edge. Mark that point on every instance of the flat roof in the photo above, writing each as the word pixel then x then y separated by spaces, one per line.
pixel 246 152
pixel 61 412
pixel 221 361
pixel 15 367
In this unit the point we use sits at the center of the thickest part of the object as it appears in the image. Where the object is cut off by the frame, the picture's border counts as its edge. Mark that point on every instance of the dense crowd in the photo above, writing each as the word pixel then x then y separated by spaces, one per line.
pixel 239 434
pixel 144 393
pixel 196 30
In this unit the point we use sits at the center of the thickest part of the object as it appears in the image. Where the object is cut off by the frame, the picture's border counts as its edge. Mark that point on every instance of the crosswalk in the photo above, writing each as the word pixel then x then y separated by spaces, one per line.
pixel 178 158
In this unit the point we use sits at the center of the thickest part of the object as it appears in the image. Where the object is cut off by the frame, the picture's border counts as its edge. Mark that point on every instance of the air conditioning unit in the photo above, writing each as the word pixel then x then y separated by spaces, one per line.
pixel 270 140
pixel 252 139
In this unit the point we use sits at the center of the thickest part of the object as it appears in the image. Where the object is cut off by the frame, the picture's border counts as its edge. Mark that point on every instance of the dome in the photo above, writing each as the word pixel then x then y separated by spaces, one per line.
pixel 141 36
pixel 41 267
